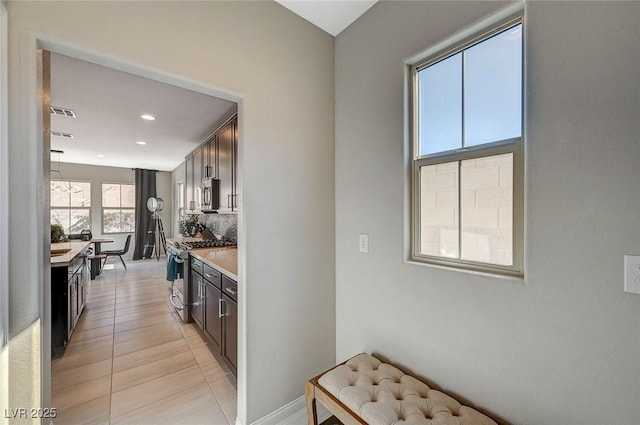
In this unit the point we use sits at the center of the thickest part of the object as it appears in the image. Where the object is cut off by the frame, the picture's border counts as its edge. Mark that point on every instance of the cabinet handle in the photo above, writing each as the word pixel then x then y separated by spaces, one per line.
pixel 209 275
pixel 231 291
pixel 220 315
pixel 228 201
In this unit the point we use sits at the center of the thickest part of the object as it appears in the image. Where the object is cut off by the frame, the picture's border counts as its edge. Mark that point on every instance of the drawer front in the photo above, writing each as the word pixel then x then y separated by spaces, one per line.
pixel 230 288
pixel 212 275
pixel 196 265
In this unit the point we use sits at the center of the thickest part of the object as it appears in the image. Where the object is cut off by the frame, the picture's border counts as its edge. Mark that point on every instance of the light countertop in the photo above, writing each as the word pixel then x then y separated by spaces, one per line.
pixel 183 239
pixel 225 260
pixel 75 247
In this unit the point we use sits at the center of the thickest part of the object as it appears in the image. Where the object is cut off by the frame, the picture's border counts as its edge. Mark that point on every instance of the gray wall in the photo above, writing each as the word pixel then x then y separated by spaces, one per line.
pixel 4 214
pixel 280 70
pixel 164 191
pixel 97 175
pixel 177 176
pixel 560 347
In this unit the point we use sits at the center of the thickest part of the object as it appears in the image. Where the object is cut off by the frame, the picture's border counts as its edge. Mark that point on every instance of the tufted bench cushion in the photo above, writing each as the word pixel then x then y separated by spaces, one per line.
pixel 378 393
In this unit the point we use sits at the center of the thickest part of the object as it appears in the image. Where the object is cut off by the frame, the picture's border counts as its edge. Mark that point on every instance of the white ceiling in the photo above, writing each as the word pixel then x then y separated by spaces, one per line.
pixel 333 16
pixel 108 105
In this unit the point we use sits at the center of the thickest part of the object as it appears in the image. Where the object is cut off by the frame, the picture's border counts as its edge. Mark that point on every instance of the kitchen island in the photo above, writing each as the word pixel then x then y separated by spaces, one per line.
pixel 69 276
pixel 63 253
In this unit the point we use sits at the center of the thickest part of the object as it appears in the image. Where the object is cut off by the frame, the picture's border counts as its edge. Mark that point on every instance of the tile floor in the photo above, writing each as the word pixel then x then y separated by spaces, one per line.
pixel 132 361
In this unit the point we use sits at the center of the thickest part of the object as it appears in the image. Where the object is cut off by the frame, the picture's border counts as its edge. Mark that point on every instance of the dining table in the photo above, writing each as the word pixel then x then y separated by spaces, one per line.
pixel 97 242
pixel 96 259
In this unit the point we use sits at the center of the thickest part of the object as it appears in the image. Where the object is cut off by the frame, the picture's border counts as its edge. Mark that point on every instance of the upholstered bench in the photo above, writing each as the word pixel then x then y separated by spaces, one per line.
pixel 363 390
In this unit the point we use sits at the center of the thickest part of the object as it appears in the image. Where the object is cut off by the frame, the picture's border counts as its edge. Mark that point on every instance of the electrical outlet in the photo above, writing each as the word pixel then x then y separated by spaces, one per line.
pixel 364 243
pixel 632 274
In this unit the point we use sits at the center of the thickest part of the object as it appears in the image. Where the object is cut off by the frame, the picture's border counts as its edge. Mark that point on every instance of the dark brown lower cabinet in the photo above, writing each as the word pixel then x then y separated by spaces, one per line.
pixel 197 298
pixel 213 313
pixel 214 308
pixel 230 347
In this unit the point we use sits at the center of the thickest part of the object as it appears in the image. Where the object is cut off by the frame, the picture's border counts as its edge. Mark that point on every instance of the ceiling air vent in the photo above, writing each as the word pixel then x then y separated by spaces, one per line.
pixel 61 134
pixel 63 112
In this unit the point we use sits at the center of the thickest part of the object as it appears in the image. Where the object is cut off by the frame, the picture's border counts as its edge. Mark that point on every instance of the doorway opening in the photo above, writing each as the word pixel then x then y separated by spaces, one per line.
pixel 118 319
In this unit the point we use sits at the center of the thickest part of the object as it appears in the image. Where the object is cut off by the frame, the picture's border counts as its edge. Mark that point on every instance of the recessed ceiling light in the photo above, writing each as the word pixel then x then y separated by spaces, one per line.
pixel 140 142
pixel 148 117
pixel 100 155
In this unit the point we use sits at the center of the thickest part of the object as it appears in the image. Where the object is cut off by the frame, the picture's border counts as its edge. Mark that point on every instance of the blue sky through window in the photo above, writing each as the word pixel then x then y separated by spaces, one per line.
pixel 492 72
pixel 441 105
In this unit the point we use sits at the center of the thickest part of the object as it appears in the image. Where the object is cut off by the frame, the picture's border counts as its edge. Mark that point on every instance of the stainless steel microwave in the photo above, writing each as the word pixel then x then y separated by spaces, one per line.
pixel 210 195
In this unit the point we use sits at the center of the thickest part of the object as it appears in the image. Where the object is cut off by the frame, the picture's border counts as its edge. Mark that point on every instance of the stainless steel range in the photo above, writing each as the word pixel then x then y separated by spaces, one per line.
pixel 180 293
pixel 206 243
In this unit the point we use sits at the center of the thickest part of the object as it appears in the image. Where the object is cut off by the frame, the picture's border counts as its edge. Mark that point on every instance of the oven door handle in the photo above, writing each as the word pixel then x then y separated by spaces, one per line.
pixel 171 297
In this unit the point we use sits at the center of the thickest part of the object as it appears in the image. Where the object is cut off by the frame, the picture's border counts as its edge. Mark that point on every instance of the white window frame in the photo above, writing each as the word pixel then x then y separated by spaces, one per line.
pixel 455 44
pixel 69 208
pixel 180 190
pixel 102 207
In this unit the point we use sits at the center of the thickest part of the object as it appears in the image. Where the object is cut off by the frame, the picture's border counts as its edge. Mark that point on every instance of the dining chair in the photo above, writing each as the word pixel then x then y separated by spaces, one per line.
pixel 117 252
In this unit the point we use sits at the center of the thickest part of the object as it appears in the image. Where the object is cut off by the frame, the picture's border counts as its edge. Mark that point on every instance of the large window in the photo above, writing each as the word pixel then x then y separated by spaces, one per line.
pixel 118 208
pixel 467 155
pixel 71 205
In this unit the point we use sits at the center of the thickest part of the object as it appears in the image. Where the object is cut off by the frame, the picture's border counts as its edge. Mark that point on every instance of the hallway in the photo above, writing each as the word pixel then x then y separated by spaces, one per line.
pixel 132 361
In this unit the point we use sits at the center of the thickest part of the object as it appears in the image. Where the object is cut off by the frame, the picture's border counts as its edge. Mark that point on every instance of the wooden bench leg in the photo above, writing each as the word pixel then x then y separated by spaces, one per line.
pixel 312 412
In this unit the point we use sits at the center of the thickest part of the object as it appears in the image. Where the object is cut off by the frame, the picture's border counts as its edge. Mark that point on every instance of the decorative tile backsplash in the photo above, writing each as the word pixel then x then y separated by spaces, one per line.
pixel 222 224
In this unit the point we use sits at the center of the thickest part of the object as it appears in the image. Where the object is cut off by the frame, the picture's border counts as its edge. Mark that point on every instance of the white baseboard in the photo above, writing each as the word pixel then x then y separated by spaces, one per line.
pixel 287 414
pixel 293 413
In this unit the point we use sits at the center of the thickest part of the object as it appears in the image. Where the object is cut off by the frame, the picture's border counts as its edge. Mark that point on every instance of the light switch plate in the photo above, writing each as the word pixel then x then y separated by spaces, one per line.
pixel 632 274
pixel 363 243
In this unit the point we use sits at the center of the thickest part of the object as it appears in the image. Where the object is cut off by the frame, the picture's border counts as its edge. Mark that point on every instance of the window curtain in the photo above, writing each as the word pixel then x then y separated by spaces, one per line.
pixel 145 188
